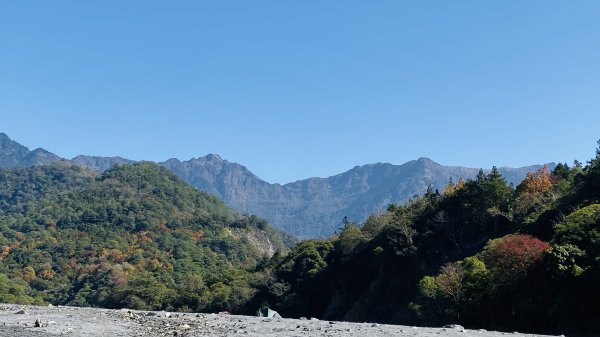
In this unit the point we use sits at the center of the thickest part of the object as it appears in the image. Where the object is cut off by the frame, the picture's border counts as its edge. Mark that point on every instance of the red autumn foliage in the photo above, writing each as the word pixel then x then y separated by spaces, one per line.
pixel 513 255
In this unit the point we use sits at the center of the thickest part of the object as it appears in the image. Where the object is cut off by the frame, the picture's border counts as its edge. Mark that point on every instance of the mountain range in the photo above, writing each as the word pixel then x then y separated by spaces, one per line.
pixel 306 208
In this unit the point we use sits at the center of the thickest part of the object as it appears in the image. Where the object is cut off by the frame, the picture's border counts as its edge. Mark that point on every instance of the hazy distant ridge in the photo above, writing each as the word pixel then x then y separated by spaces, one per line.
pixel 315 207
pixel 13 154
pixel 311 207
pixel 101 163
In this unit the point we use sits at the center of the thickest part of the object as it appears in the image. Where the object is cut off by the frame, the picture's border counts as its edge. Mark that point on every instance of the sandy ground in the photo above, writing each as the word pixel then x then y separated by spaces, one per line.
pixel 20 321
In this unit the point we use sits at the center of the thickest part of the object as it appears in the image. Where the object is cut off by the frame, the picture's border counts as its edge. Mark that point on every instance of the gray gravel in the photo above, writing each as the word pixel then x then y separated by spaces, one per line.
pixel 19 321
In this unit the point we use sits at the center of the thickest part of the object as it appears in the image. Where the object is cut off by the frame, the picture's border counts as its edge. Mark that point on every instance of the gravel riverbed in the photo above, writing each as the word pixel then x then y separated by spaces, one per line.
pixel 24 320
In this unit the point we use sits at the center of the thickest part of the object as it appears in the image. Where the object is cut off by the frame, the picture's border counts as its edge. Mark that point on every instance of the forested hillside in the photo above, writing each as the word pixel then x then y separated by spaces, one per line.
pixel 135 236
pixel 480 253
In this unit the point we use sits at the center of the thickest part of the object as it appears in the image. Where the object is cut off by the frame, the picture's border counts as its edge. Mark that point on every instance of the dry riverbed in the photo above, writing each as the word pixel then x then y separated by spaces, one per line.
pixel 21 321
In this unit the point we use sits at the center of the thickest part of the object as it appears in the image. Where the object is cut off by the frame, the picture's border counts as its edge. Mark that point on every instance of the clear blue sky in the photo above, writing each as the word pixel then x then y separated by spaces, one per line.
pixel 294 89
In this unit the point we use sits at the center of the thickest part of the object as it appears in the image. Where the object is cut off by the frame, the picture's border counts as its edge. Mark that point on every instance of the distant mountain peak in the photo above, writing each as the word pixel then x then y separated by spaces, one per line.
pixel 172 160
pixel 426 163
pixel 214 156
pixel 13 154
pixel 40 150
pixel 425 160
pixel 5 141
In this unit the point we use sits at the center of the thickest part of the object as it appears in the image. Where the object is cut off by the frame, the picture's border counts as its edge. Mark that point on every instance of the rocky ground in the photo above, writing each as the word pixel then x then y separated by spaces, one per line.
pixel 21 321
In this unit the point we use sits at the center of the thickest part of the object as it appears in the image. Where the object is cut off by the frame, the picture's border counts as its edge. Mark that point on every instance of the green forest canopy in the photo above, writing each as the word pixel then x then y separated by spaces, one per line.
pixel 135 236
pixel 480 253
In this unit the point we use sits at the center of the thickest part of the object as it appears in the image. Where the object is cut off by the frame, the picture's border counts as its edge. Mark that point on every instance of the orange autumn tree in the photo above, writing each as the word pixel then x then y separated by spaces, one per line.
pixel 29 274
pixel 452 187
pixel 536 182
pixel 532 194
